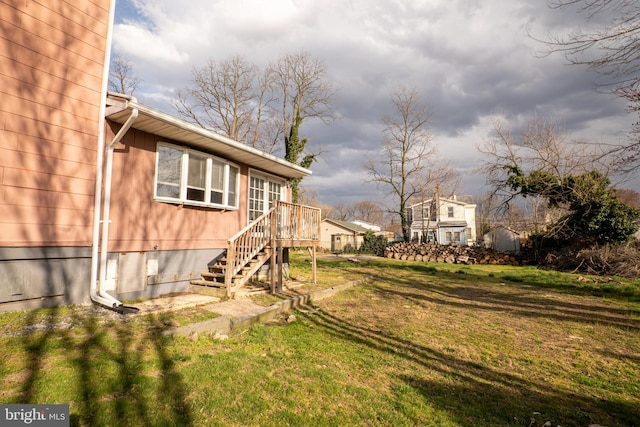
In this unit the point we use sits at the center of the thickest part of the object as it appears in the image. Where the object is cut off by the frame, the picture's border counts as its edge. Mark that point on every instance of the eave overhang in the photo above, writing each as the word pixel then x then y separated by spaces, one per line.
pixel 179 131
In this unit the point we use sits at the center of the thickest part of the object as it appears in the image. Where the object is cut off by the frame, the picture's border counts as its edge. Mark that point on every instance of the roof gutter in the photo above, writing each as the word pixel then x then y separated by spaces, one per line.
pixel 96 293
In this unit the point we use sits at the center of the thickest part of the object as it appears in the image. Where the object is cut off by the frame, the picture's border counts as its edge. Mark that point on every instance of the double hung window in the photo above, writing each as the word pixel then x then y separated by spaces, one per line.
pixel 190 177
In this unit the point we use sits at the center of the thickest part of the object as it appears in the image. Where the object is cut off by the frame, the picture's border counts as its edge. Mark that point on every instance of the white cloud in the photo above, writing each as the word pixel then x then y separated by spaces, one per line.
pixel 470 59
pixel 143 45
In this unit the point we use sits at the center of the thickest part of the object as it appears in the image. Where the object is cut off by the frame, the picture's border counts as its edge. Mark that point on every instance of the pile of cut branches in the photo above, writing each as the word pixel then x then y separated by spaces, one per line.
pixel 605 260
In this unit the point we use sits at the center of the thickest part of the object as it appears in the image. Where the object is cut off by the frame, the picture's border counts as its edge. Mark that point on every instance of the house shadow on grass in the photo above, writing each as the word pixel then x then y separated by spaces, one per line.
pixel 475 393
pixel 115 370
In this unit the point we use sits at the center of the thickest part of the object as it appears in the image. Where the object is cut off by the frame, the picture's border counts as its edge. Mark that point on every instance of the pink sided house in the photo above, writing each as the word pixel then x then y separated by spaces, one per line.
pixel 103 198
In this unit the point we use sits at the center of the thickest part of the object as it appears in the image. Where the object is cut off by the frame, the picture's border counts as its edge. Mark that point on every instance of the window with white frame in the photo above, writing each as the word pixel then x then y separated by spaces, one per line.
pixel 425 213
pixel 192 177
pixel 263 190
pixel 450 212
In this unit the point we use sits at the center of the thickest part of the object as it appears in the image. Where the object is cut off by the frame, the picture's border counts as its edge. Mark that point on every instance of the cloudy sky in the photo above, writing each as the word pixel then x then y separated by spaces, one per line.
pixel 472 61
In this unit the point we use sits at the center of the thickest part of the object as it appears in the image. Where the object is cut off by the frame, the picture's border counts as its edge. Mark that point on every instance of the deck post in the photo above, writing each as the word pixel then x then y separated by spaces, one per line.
pixel 272 261
pixel 228 274
pixel 280 267
pixel 313 264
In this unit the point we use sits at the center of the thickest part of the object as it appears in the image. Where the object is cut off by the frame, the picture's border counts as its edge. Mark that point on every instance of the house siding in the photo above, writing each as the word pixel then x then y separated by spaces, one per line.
pixel 53 59
pixel 140 223
pixel 52 56
pixel 50 91
pixel 349 239
pixel 440 223
pixel 179 240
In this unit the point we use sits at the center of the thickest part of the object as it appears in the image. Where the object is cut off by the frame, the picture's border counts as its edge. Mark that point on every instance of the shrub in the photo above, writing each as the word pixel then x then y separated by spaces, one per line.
pixel 373 244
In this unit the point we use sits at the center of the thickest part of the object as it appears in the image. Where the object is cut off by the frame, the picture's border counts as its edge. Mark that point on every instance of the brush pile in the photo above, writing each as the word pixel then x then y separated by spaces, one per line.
pixel 606 260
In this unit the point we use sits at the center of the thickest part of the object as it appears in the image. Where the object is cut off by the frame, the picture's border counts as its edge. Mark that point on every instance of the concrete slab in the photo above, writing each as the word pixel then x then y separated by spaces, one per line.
pixel 241 313
pixel 174 302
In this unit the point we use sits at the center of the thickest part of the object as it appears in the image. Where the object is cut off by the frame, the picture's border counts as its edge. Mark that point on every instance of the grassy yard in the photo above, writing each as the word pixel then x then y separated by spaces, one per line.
pixel 415 344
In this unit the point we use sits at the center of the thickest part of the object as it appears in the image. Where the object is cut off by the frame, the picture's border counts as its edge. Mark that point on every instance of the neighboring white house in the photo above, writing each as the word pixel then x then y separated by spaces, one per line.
pixel 443 220
pixel 367 225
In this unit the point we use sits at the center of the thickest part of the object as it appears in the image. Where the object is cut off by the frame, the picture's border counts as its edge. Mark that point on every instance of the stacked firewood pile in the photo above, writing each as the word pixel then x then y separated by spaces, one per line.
pixel 451 254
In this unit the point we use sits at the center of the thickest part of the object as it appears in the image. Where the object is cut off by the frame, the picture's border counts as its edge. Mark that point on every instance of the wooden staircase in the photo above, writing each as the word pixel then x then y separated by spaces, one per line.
pixel 285 225
pixel 214 278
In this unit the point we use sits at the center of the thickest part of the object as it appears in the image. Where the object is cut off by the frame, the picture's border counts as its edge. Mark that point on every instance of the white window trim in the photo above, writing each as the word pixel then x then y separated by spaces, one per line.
pixel 267 177
pixel 182 200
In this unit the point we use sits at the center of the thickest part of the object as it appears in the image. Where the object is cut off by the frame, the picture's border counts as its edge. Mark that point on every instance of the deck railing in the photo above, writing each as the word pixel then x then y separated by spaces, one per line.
pixel 286 223
pixel 297 222
pixel 247 243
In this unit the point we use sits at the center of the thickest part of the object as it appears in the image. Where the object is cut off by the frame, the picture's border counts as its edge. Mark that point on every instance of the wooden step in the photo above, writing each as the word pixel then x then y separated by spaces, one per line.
pixel 207 283
pixel 214 291
pixel 208 275
pixel 217 268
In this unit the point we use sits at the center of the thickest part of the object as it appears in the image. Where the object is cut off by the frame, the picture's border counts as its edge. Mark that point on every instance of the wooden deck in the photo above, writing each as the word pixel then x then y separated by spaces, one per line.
pixel 286 225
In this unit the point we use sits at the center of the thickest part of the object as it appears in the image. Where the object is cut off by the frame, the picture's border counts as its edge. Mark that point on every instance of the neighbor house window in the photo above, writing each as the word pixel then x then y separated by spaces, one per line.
pixel 450 212
pixel 425 213
pixel 447 237
pixel 191 177
pixel 456 236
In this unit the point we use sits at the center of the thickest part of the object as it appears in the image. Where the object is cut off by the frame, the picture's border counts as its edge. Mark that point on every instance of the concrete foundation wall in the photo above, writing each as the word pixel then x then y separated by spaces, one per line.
pixel 154 273
pixel 40 277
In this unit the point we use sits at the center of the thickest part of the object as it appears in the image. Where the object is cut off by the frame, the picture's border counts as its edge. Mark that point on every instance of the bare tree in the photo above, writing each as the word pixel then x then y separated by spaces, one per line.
pixel 368 212
pixel 407 145
pixel 485 217
pixel 439 177
pixel 538 146
pixel 261 108
pixel 122 78
pixel 230 97
pixel 610 47
pixel 310 198
pixel 534 163
pixel 341 211
pixel 305 92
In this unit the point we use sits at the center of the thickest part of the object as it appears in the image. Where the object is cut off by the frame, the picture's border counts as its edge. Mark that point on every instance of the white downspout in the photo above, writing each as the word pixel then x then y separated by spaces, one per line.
pixel 107 201
pixel 95 293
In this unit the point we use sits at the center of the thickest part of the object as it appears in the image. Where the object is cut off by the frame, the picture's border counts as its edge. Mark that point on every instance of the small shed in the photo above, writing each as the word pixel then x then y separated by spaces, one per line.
pixel 502 239
pixel 338 236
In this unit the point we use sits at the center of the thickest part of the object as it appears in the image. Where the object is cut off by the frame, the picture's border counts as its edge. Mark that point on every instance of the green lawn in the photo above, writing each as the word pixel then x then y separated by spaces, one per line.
pixel 416 344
